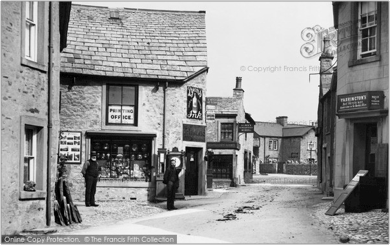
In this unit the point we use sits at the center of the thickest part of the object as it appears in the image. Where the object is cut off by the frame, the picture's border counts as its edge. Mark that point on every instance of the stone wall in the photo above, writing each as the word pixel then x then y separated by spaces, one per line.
pixel 24 93
pixel 301 169
pixel 268 168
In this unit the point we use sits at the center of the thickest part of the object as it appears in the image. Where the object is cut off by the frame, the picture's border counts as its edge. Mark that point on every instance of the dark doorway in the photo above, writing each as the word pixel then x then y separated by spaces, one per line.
pixel 371 144
pixel 192 170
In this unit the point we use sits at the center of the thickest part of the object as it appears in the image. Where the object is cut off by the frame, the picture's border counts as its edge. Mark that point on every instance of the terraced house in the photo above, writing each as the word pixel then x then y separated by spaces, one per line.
pixel 133 85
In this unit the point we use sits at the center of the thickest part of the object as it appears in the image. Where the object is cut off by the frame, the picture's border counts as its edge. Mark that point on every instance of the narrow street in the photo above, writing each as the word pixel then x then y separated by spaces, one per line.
pixel 255 213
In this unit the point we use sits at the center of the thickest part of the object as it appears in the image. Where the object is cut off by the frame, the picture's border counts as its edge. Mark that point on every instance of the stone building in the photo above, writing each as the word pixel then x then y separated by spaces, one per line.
pixel 281 142
pixel 326 119
pixel 362 123
pixel 229 150
pixel 30 115
pixel 133 85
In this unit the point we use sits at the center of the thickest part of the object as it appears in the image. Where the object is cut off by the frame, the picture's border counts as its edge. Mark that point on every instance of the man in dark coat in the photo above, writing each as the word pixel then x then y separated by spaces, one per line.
pixel 171 179
pixel 90 172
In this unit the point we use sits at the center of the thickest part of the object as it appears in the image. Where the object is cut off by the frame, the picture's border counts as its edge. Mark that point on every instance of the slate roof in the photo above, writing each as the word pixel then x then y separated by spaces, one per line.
pixel 278 131
pixel 296 131
pixel 141 43
pixel 269 129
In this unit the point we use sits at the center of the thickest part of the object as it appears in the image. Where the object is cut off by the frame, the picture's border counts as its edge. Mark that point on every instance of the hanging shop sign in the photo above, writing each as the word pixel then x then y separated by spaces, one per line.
pixel 370 100
pixel 194 133
pixel 121 114
pixel 194 103
pixel 70 146
pixel 246 128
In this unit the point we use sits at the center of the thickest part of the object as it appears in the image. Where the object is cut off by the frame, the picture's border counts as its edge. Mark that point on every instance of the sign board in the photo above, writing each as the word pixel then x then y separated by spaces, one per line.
pixel 347 191
pixel 213 100
pixel 223 145
pixel 70 146
pixel 194 133
pixel 371 100
pixel 210 116
pixel 194 103
pixel 246 128
pixel 121 114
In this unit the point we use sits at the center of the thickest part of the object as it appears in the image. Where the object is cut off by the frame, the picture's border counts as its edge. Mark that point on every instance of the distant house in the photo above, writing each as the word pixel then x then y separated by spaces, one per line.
pixel 230 152
pixel 133 82
pixel 30 87
pixel 283 142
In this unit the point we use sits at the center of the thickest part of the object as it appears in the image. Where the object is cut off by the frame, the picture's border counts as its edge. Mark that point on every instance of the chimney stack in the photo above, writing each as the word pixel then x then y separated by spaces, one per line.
pixel 282 120
pixel 238 92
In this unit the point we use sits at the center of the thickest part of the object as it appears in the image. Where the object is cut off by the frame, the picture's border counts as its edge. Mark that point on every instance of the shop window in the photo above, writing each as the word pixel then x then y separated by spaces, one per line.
pixel 222 166
pixel 123 158
pixel 122 105
pixel 227 131
pixel 34 41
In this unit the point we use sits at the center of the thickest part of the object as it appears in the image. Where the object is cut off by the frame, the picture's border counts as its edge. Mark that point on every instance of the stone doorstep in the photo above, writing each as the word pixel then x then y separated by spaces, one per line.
pixel 327 198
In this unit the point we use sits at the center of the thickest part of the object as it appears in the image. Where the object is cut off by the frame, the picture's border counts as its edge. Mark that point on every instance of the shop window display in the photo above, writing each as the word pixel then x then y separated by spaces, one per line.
pixel 123 159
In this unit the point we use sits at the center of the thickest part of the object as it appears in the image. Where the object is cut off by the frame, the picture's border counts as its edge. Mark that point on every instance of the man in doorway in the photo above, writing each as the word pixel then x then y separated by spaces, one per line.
pixel 171 179
pixel 90 173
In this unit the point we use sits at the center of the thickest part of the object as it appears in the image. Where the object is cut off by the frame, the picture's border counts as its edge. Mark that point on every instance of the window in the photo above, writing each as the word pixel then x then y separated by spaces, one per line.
pixel 227 131
pixel 367 29
pixel 273 145
pixel 125 158
pixel 30 152
pixel 222 166
pixel 34 35
pixel 33 157
pixel 122 105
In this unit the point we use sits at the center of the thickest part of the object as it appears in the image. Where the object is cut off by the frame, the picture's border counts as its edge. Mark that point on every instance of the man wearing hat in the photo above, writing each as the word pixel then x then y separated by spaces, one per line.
pixel 90 173
pixel 171 179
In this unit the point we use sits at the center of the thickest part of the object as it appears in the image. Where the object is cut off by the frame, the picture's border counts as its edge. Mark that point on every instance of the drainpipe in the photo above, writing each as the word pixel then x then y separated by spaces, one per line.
pixel 164 113
pixel 49 126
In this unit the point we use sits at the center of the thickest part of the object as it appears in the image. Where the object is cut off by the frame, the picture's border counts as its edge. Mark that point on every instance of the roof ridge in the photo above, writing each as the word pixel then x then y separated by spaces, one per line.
pixel 142 9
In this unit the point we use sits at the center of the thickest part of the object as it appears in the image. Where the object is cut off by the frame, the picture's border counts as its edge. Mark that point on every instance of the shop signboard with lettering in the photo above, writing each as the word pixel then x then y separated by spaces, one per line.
pixel 70 146
pixel 246 128
pixel 371 100
pixel 194 133
pixel 194 103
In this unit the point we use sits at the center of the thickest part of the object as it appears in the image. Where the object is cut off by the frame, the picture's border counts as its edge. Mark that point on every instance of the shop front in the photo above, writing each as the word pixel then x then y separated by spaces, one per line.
pixel 365 145
pixel 126 164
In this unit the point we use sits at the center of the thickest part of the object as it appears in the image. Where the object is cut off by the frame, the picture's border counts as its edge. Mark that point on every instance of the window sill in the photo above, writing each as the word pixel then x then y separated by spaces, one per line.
pixel 362 61
pixel 34 65
pixel 34 195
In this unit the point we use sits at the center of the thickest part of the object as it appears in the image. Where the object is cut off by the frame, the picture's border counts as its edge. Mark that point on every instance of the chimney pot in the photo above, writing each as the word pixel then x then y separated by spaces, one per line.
pixel 238 82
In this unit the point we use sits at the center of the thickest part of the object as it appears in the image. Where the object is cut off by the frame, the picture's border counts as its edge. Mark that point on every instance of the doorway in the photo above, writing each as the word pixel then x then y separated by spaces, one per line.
pixel 365 144
pixel 193 156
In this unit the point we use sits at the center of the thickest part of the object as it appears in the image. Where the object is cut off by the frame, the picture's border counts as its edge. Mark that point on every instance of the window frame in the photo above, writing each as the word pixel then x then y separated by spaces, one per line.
pixel 367 53
pixel 39 61
pixel 355 37
pixel 232 132
pixel 39 125
pixel 136 105
pixel 273 145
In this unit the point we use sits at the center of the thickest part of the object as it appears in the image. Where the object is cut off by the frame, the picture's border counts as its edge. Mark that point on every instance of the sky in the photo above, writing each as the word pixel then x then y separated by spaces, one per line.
pixel 260 42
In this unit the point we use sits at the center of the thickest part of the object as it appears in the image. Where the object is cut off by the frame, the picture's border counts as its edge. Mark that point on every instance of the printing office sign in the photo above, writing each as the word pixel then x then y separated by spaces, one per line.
pixel 371 100
pixel 194 103
pixel 121 114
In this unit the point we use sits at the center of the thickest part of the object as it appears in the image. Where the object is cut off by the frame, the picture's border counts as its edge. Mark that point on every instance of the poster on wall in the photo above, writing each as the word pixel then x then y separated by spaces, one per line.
pixel 194 103
pixel 70 146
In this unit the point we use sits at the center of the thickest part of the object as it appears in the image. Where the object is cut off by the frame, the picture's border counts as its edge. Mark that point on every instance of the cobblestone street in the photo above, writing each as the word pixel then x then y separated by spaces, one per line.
pixel 367 227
